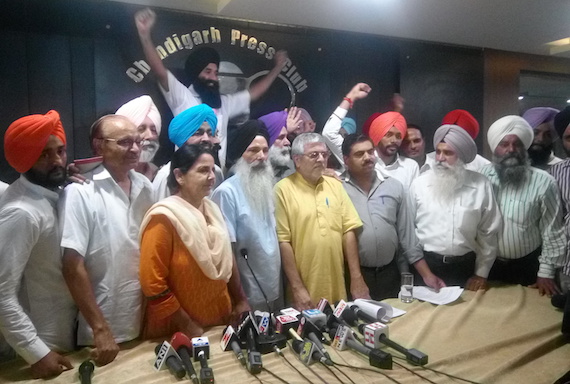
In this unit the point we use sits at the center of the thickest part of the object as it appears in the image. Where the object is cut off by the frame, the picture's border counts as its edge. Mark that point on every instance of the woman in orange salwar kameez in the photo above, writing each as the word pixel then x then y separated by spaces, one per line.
pixel 187 264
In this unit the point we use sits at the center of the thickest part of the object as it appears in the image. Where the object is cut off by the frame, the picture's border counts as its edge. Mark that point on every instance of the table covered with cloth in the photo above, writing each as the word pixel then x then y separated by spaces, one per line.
pixel 508 334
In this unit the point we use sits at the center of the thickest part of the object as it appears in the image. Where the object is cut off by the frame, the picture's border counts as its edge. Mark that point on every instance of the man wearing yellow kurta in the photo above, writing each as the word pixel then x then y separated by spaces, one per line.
pixel 316 225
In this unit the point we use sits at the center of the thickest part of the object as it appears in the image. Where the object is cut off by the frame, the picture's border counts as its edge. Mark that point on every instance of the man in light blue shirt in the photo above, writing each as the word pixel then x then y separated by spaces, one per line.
pixel 246 201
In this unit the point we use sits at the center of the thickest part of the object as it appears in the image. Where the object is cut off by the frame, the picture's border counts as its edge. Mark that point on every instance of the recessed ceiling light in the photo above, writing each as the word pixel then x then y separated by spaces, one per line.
pixel 521 97
pixel 568 101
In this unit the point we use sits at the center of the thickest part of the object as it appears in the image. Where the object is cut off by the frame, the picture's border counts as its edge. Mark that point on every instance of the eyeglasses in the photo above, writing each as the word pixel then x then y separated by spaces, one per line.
pixel 125 143
pixel 315 155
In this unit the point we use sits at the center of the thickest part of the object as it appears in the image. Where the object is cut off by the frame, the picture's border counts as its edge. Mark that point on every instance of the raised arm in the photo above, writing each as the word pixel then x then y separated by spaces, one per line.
pixel 144 20
pixel 259 88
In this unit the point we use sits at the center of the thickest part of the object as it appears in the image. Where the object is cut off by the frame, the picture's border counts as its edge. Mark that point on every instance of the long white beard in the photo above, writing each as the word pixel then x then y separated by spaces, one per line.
pixel 257 183
pixel 447 179
pixel 279 156
pixel 148 151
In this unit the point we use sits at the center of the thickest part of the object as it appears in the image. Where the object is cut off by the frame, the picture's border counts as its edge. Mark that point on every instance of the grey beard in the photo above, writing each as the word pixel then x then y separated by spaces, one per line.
pixel 257 182
pixel 148 151
pixel 447 179
pixel 512 170
pixel 279 157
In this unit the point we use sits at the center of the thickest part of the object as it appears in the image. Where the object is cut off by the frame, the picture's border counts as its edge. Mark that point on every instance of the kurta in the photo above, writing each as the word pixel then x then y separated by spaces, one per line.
pixel 168 267
pixel 313 219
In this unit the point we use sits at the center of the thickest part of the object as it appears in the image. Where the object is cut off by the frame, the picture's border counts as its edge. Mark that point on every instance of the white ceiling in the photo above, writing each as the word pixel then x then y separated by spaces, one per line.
pixel 510 25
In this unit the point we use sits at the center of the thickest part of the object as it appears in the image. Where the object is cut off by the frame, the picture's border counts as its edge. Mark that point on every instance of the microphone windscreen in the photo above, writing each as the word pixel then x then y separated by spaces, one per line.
pixel 559 300
pixel 350 317
pixel 179 339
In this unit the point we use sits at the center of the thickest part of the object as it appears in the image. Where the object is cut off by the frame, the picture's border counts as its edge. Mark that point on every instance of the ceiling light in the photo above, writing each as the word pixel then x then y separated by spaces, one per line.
pixel 568 101
pixel 521 97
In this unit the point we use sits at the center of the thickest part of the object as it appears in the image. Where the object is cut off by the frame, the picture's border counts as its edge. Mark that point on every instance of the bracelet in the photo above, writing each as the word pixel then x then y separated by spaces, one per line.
pixel 349 101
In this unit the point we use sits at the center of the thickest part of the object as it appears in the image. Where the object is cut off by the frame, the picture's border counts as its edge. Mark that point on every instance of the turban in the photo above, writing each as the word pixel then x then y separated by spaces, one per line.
pixel 138 109
pixel 305 115
pixel 26 138
pixel 186 123
pixel 349 125
pixel 368 123
pixel 510 125
pixel 458 139
pixel 382 124
pixel 561 121
pixel 198 60
pixel 242 138
pixel 274 122
pixel 463 119
pixel 540 115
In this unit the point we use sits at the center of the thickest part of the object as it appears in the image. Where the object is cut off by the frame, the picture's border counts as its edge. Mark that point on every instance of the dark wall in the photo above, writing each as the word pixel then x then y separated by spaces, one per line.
pixel 73 56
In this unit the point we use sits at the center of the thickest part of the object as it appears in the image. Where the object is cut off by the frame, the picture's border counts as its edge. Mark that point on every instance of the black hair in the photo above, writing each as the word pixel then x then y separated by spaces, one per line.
pixel 350 140
pixel 414 126
pixel 183 159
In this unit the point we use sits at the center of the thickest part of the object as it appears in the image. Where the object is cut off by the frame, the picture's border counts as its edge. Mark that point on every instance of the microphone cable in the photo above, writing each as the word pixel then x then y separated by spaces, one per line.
pixel 440 372
pixel 243 253
pixel 413 372
pixel 332 372
pixel 280 353
pixel 369 369
pixel 308 366
pixel 274 375
pixel 345 375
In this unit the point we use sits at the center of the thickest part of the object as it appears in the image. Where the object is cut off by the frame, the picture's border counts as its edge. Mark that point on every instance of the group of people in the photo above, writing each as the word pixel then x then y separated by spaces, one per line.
pixel 261 216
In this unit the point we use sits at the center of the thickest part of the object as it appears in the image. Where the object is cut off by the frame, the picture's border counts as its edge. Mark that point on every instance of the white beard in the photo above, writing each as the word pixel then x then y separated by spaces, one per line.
pixel 447 178
pixel 148 151
pixel 279 157
pixel 257 182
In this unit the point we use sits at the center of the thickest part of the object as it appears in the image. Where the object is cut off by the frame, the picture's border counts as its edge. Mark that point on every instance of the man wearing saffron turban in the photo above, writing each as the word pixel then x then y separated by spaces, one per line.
pixel 37 313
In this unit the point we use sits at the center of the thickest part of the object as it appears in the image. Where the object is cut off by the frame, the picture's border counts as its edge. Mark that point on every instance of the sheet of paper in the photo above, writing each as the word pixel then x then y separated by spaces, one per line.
pixel 446 295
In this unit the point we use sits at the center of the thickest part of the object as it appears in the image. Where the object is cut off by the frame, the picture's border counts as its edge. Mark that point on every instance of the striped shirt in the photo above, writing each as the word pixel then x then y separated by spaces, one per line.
pixel 561 172
pixel 532 217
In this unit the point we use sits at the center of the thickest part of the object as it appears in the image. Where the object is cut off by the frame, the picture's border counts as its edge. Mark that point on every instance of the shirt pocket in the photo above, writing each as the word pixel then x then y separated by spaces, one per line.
pixel 519 213
pixel 468 211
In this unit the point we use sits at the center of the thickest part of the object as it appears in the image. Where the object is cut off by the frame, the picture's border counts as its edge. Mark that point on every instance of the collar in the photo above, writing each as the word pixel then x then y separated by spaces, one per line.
pixel 50 195
pixel 396 162
pixel 298 178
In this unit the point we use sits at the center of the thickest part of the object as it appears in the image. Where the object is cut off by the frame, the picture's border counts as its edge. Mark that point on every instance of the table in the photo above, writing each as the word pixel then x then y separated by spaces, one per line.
pixel 509 334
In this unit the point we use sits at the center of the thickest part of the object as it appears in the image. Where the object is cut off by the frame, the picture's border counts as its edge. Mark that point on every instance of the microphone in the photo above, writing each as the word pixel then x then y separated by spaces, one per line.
pixel 231 341
pixel 254 364
pixel 309 330
pixel 342 311
pixel 307 352
pixel 86 371
pixel 166 357
pixel 243 253
pixel 201 348
pixel 183 346
pixel 344 338
pixel 263 325
pixel 378 333
pixel 284 323
pixel 325 307
pixel 363 315
pixel 267 340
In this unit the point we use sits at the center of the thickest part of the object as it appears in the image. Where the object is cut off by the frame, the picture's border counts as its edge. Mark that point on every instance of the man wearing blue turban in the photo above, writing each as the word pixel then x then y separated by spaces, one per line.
pixel 196 125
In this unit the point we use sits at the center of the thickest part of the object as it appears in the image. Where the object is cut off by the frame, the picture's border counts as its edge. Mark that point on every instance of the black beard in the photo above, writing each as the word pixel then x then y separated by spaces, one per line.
pixel 209 91
pixel 539 154
pixel 512 174
pixel 52 180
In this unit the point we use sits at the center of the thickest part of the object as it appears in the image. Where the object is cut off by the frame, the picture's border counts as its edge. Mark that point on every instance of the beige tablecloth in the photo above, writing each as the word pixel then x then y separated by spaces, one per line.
pixel 506 335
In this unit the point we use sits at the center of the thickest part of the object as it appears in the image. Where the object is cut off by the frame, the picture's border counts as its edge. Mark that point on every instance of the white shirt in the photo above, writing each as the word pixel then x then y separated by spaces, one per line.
pixel 475 166
pixel 402 169
pixel 471 221
pixel 3 187
pixel 331 130
pixel 160 188
pixel 102 223
pixel 37 312
pixel 179 98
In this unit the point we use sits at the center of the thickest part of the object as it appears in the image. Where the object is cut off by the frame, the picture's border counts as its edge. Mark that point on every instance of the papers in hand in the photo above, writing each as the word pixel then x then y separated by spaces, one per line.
pixel 445 295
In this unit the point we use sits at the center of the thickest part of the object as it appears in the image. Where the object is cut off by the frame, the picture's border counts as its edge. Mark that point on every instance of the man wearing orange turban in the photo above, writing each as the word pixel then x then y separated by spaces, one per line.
pixel 387 132
pixel 30 236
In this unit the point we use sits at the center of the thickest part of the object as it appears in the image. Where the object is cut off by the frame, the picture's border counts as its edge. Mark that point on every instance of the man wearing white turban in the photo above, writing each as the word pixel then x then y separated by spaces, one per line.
pixel 457 219
pixel 532 243
pixel 143 113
